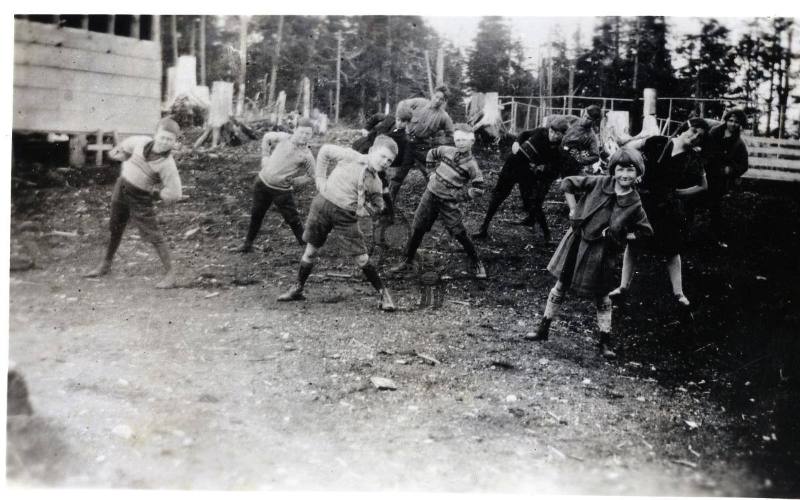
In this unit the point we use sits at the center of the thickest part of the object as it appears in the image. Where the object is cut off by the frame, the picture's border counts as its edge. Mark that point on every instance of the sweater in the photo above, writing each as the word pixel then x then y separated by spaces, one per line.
pixel 283 160
pixel 453 171
pixel 348 181
pixel 157 172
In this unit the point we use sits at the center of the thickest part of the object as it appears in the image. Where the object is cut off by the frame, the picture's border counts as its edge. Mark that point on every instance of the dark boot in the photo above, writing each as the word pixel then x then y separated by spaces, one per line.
pixel 542 332
pixel 605 346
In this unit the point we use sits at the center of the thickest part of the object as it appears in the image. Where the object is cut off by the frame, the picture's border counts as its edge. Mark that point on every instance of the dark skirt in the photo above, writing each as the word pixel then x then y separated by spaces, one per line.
pixel 668 219
pixel 588 268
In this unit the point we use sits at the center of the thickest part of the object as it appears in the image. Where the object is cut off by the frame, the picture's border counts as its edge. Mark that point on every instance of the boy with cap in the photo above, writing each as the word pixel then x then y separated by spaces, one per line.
pixel 352 189
pixel 533 165
pixel 580 146
pixel 283 158
pixel 456 178
pixel 148 173
pixel 428 118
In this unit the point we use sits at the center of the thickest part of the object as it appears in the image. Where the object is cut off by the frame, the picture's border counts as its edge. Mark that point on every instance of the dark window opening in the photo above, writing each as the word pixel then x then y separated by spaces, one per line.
pixel 47 19
pixel 123 25
pixel 72 21
pixel 146 27
pixel 99 23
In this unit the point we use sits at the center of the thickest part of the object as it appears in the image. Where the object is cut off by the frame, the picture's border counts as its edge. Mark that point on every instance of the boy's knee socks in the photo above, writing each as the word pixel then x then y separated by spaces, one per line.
pixel 413 244
pixel 604 316
pixel 469 247
pixel 554 300
pixel 304 272
pixel 372 275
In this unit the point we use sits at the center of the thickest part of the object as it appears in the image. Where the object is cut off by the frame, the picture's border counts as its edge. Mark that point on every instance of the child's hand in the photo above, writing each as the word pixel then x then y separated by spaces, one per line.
pixel 474 193
pixel 630 236
pixel 515 148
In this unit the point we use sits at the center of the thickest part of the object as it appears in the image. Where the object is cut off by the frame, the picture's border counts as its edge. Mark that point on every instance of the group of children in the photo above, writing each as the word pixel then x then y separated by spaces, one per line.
pixel 608 214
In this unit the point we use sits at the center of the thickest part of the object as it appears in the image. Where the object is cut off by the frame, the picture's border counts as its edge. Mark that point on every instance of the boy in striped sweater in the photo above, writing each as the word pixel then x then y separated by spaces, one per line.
pixel 456 178
pixel 148 173
pixel 283 158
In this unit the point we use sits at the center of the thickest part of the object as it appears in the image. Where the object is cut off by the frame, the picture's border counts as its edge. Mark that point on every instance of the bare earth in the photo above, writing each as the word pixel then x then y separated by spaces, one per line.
pixel 215 385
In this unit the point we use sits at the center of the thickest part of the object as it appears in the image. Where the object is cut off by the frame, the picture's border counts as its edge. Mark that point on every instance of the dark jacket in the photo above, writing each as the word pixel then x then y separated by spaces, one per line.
pixel 586 259
pixel 720 152
pixel 541 154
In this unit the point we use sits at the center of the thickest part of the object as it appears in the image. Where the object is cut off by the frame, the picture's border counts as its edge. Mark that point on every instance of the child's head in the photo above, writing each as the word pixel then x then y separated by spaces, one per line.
pixel 382 152
pixel 463 137
pixel 734 120
pixel 625 165
pixel 166 135
pixel 696 130
pixel 303 132
pixel 556 129
pixel 439 96
pixel 403 117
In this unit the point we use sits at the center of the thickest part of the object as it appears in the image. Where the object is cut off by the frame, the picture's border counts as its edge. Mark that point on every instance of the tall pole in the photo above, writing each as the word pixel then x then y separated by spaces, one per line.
pixel 428 70
pixel 202 50
pixel 338 73
pixel 174 38
pixel 193 39
pixel 275 62
pixel 636 56
pixel 440 67
pixel 242 64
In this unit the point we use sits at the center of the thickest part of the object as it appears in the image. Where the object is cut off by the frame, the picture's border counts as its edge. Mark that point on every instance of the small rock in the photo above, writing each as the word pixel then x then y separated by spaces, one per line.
pixel 511 398
pixel 122 431
pixel 382 383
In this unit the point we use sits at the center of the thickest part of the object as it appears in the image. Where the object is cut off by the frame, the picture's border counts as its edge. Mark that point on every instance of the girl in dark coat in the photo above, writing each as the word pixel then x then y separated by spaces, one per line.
pixel 672 165
pixel 608 215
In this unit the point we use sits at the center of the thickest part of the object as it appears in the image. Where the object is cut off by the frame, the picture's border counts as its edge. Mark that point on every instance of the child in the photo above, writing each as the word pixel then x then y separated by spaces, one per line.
pixel 609 214
pixel 534 165
pixel 580 146
pixel 457 178
pixel 352 189
pixel 148 173
pixel 284 157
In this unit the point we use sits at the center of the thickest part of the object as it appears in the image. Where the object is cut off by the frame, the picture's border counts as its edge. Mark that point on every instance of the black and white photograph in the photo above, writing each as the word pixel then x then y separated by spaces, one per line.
pixel 394 250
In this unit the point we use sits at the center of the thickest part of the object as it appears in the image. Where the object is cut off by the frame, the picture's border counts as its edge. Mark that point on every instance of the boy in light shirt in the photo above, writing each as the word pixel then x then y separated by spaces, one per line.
pixel 148 173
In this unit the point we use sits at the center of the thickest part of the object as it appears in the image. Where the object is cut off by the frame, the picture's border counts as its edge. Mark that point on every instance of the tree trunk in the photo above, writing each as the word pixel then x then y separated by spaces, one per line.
pixel 174 38
pixel 440 67
pixel 242 64
pixel 275 62
pixel 202 50
pixel 193 39
pixel 338 73
pixel 430 77
pixel 784 97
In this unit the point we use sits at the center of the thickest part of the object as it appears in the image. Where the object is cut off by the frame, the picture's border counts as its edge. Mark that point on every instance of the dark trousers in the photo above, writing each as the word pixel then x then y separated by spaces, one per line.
pixel 131 203
pixel 532 191
pixel 265 196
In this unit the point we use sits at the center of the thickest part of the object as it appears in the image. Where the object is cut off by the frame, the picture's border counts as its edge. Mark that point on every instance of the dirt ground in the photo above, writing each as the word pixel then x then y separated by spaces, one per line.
pixel 215 385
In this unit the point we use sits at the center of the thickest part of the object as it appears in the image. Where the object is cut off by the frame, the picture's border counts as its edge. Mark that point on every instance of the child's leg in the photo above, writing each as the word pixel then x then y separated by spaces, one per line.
pixel 676 279
pixel 168 281
pixel 626 276
pixel 551 310
pixel 505 183
pixel 604 310
pixel 287 207
pixel 120 214
pixel 303 272
pixel 424 217
pixel 371 273
pixel 554 300
pixel 261 201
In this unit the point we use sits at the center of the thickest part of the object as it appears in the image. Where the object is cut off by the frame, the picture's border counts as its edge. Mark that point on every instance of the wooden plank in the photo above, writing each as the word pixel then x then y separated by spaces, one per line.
pixel 82 81
pixel 50 110
pixel 773 151
pixel 81 60
pixel 775 163
pixel 773 175
pixel 26 32
pixel 749 139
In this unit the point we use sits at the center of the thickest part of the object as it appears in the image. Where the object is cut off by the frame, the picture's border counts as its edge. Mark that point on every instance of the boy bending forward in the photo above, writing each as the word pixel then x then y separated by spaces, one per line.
pixel 352 189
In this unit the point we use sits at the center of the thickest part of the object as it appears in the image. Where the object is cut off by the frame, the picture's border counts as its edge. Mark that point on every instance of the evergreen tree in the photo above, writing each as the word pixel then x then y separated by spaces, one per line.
pixel 489 63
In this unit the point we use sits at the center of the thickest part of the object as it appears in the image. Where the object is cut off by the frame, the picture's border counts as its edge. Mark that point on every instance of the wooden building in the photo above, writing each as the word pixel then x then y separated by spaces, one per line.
pixel 87 75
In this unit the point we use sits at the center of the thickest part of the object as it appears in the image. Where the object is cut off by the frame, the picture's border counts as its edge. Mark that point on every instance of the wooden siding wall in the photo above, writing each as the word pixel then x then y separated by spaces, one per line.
pixel 71 80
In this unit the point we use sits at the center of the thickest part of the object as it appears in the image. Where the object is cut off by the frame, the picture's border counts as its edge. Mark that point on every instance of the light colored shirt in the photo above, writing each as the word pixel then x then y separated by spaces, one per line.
pixel 282 160
pixel 160 173
pixel 345 178
pixel 426 121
